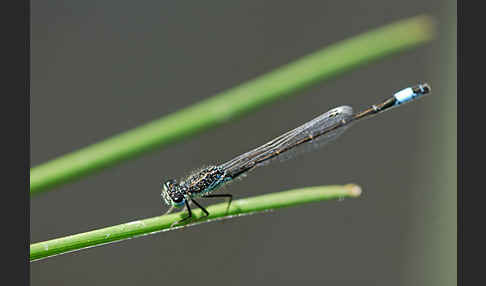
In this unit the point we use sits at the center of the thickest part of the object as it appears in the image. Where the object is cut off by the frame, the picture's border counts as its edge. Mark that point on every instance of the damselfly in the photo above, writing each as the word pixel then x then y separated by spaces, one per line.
pixel 321 130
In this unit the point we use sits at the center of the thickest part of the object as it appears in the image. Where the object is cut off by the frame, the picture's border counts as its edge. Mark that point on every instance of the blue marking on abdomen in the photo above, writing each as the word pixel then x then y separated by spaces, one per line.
pixel 404 95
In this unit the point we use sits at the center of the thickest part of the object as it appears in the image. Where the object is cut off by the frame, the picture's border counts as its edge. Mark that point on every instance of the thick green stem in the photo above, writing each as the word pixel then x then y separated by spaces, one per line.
pixel 286 80
pixel 218 211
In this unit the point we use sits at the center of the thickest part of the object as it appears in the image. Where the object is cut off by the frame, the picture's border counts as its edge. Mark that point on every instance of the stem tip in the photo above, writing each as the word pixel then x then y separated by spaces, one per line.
pixel 354 190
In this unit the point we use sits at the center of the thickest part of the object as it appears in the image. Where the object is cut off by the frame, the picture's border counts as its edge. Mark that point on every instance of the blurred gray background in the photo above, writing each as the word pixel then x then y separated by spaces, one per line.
pixel 102 67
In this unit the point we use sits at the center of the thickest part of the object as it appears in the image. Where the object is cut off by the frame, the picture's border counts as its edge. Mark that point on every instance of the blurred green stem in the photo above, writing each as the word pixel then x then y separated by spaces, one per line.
pixel 218 211
pixel 265 89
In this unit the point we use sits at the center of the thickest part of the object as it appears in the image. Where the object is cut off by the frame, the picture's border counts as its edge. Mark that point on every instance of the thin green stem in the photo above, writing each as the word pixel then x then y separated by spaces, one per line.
pixel 227 105
pixel 143 227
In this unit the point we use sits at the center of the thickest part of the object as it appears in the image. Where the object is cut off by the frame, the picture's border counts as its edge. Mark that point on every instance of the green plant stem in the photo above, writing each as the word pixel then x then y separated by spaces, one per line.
pixel 286 80
pixel 218 211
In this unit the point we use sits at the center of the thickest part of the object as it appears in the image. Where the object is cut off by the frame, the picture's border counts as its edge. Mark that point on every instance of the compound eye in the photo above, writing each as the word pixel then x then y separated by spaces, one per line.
pixel 169 184
pixel 178 198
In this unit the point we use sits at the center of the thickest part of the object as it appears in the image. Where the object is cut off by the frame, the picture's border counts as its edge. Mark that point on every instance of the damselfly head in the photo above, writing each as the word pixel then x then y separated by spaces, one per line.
pixel 172 194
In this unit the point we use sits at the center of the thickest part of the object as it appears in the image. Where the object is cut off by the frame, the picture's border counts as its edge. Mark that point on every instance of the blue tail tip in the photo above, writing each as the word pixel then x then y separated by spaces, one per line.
pixel 423 88
pixel 411 93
